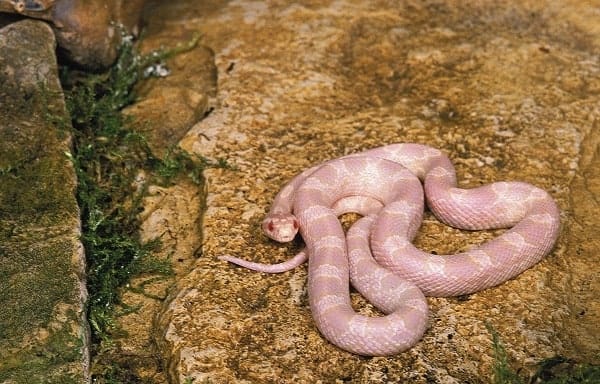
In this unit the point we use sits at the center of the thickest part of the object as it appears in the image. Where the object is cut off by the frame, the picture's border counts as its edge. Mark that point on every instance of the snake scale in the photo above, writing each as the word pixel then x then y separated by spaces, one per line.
pixel 389 187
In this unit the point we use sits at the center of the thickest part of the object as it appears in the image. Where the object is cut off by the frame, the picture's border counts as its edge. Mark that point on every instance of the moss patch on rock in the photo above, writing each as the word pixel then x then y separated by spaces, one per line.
pixel 115 167
pixel 43 333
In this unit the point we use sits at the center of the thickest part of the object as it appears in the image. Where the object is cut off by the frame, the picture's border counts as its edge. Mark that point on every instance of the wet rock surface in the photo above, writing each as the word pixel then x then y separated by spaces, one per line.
pixel 507 91
pixel 43 332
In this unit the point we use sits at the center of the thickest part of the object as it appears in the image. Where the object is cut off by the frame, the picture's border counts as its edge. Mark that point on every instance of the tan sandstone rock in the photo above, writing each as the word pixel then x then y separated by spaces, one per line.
pixel 508 91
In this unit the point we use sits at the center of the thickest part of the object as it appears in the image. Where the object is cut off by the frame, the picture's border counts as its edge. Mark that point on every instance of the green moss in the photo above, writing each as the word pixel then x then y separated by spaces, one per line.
pixel 32 180
pixel 503 372
pixel 556 370
pixel 57 360
pixel 34 283
pixel 38 220
pixel 34 286
pixel 108 154
pixel 560 370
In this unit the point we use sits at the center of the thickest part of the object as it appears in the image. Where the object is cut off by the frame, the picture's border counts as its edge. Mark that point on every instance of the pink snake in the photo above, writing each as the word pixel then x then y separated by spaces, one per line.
pixel 377 255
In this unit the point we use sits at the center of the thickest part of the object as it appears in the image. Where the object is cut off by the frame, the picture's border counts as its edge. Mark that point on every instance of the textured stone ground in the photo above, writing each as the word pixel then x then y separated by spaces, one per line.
pixel 509 91
pixel 43 332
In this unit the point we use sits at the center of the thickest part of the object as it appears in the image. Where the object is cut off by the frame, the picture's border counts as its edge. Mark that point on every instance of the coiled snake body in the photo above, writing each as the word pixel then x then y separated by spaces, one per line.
pixel 377 254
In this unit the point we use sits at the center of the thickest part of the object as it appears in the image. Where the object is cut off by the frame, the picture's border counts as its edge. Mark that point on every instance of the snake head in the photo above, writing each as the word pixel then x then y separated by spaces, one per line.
pixel 281 227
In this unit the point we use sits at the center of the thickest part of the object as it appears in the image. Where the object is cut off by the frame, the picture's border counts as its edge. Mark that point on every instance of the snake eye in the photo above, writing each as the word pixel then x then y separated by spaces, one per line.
pixel 270 226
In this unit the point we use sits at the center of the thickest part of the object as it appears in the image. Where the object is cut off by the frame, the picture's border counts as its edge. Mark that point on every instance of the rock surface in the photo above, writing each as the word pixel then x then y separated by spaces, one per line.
pixel 170 105
pixel 508 91
pixel 166 108
pixel 43 332
pixel 88 32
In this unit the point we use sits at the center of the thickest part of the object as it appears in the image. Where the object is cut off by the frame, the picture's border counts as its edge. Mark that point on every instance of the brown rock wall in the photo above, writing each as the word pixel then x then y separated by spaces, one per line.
pixel 509 91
